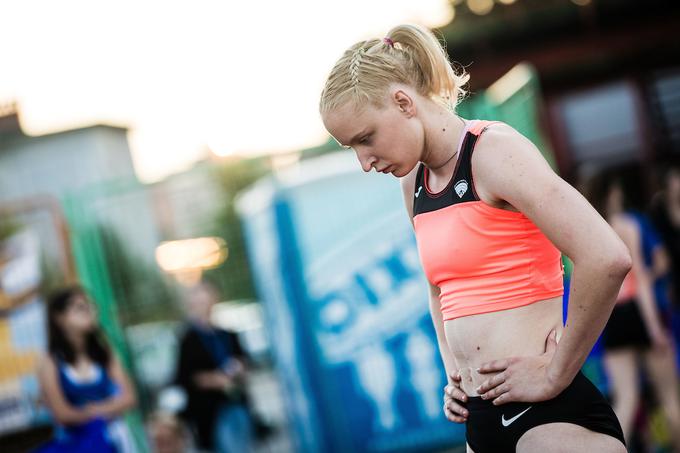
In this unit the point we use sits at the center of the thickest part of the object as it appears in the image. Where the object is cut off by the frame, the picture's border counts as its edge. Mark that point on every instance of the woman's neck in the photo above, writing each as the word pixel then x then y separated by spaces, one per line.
pixel 201 322
pixel 78 342
pixel 441 140
pixel 673 208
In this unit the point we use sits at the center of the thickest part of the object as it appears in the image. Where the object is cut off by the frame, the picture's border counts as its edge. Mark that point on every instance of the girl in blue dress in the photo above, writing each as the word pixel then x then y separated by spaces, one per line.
pixel 82 382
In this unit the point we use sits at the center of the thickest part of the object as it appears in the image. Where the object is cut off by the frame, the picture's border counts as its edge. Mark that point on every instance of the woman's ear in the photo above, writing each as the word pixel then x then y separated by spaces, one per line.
pixel 404 102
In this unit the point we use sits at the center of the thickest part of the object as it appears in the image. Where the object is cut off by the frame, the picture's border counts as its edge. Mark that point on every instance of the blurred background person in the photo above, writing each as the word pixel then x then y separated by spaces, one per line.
pixel 637 333
pixel 211 369
pixel 665 213
pixel 83 383
pixel 167 434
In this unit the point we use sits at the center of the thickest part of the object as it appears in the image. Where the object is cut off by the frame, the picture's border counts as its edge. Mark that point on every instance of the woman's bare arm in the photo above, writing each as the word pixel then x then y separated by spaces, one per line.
pixel 408 189
pixel 62 411
pixel 508 168
pixel 124 400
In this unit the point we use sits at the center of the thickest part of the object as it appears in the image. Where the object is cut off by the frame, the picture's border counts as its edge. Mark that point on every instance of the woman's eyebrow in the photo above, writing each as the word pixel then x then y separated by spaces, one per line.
pixel 363 132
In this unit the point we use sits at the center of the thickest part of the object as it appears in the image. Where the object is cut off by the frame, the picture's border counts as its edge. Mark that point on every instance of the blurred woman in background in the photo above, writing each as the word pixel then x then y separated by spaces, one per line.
pixel 637 329
pixel 665 212
pixel 83 383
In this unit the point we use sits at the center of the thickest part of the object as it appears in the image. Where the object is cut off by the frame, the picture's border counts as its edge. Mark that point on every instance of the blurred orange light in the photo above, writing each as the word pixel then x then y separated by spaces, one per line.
pixel 194 254
pixel 480 7
pixel 503 88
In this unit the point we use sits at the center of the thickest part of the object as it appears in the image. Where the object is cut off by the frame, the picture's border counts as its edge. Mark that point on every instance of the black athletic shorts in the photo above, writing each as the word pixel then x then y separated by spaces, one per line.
pixel 625 328
pixel 498 428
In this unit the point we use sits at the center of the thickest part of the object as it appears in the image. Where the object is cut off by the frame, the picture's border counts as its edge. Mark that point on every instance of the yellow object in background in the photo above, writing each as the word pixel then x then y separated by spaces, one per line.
pixel 14 364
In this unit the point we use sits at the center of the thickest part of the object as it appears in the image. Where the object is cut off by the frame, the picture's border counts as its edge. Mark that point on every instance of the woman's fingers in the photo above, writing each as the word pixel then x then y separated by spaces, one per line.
pixel 496 392
pixel 456 376
pixel 455 412
pixel 452 391
pixel 495 365
pixel 455 419
pixel 506 397
pixel 491 383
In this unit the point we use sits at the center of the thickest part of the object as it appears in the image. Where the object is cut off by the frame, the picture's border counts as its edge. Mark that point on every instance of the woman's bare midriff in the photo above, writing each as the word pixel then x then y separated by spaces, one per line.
pixel 477 339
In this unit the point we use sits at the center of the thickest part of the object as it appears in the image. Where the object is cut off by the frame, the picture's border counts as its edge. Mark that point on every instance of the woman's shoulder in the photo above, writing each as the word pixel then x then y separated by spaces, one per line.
pixel 497 133
pixel 46 358
pixel 505 162
pixel 47 365
pixel 498 141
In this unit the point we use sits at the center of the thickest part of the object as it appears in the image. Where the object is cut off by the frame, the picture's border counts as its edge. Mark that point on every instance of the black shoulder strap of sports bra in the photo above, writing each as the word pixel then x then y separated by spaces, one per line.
pixel 465 170
pixel 419 184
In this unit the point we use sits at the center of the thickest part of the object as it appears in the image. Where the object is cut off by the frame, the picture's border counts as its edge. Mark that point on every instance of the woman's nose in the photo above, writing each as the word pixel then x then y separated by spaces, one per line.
pixel 366 162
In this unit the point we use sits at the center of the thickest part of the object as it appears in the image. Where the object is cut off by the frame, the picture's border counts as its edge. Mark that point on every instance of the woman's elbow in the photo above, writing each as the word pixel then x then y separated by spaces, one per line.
pixel 620 262
pixel 130 400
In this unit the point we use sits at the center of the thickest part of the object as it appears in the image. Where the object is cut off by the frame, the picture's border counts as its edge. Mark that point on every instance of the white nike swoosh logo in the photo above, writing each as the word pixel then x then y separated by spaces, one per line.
pixel 419 189
pixel 507 423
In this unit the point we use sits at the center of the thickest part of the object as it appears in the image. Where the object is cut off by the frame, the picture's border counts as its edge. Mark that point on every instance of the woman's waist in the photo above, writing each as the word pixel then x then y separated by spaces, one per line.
pixel 460 301
pixel 478 339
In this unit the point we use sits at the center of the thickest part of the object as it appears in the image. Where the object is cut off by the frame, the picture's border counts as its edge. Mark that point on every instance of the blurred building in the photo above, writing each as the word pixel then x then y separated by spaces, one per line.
pixel 609 71
pixel 186 204
pixel 88 169
pixel 59 162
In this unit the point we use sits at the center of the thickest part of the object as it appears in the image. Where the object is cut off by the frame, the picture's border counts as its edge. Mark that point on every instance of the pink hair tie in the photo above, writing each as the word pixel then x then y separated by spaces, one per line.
pixel 389 42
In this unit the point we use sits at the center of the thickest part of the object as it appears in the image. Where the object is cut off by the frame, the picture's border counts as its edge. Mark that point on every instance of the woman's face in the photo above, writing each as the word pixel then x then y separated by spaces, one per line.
pixel 200 303
pixel 389 139
pixel 615 198
pixel 79 315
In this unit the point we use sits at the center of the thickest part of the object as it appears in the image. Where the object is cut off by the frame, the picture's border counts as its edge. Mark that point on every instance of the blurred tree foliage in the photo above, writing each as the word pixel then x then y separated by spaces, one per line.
pixel 142 294
pixel 233 277
pixel 8 226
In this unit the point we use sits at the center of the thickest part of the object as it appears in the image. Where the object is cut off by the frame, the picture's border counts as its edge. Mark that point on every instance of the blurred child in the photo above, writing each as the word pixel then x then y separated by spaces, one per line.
pixel 167 434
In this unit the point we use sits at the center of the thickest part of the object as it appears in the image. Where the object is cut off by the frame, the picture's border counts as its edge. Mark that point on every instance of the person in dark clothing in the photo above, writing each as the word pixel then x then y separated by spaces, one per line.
pixel 665 213
pixel 211 369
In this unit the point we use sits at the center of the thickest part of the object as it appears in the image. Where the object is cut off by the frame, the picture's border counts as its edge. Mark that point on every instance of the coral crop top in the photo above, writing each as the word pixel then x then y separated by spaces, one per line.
pixel 483 259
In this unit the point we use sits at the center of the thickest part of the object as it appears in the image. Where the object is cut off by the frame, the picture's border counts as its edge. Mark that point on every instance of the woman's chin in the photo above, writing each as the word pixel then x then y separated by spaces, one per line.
pixel 401 171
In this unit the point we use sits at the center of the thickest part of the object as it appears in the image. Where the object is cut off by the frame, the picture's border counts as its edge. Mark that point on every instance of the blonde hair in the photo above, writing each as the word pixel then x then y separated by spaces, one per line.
pixel 409 54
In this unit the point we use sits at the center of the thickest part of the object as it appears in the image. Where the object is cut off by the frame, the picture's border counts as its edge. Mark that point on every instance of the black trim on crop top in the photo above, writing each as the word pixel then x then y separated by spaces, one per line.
pixel 460 188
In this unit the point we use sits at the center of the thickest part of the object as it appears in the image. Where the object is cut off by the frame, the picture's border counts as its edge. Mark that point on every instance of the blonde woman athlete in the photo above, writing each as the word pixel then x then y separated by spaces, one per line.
pixel 487 209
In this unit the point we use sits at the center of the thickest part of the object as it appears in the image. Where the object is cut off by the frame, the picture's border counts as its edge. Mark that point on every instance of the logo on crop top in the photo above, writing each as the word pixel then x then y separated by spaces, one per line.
pixel 418 192
pixel 461 187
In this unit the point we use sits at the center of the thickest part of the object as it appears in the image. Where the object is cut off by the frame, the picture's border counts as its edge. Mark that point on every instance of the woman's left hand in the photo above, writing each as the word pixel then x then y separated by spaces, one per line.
pixel 521 378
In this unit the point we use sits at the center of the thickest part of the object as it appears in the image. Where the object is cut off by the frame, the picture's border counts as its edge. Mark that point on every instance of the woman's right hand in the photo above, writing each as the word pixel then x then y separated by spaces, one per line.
pixel 452 396
pixel 92 411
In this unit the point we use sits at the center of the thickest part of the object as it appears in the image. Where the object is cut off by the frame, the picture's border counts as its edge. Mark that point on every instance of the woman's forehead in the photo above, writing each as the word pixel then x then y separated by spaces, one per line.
pixel 79 297
pixel 345 123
